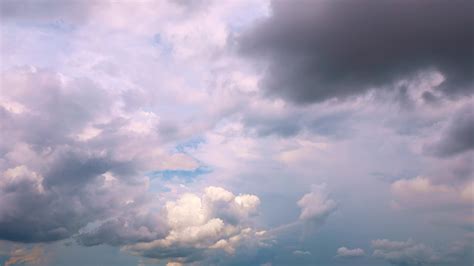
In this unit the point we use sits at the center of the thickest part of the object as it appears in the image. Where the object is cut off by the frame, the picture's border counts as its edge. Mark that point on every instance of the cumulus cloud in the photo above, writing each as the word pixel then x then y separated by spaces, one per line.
pixel 39 213
pixel 316 205
pixel 317 50
pixel 125 90
pixel 344 252
pixel 214 220
pixel 53 183
pixel 78 141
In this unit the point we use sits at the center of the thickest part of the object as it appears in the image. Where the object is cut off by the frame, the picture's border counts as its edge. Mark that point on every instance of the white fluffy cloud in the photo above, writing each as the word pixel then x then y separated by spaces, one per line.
pixel 214 220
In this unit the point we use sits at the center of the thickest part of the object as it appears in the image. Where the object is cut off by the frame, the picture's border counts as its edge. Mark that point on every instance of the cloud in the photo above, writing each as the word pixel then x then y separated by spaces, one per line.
pixel 214 220
pixel 301 253
pixel 129 228
pixel 412 253
pixel 56 177
pixel 26 256
pixel 39 213
pixel 420 192
pixel 344 252
pixel 404 253
pixel 318 50
pixel 78 141
pixel 174 264
pixel 46 11
pixel 457 137
pixel 441 201
pixel 316 206
pixel 126 91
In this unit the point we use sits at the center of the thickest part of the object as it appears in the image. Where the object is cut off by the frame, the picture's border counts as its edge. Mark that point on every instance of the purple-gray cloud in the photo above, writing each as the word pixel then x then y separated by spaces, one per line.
pixel 318 50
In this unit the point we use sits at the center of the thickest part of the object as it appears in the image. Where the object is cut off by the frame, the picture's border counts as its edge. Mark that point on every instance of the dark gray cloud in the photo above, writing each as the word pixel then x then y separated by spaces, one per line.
pixel 54 206
pixel 293 121
pixel 458 137
pixel 32 213
pixel 318 50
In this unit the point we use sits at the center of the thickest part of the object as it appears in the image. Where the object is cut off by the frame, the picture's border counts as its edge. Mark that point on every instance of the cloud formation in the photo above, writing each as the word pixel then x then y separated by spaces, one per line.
pixel 35 255
pixel 62 165
pixel 121 122
pixel 344 252
pixel 420 192
pixel 404 252
pixel 412 253
pixel 316 205
pixel 214 220
pixel 318 50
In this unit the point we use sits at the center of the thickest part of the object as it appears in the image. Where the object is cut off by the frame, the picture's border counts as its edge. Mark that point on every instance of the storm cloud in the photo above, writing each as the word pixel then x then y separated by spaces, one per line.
pixel 317 50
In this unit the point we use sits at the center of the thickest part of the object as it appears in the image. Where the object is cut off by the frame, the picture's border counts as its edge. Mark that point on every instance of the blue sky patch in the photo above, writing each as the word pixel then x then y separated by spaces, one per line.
pixel 185 175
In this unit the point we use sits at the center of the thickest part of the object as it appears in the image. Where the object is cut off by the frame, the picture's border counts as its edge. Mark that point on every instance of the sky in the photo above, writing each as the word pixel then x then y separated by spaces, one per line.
pixel 237 132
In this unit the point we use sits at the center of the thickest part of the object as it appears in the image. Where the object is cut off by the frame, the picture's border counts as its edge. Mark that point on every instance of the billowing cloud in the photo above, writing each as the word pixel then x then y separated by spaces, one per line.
pixel 39 213
pixel 344 252
pixel 317 50
pixel 215 220
pixel 122 122
pixel 316 205
pixel 62 166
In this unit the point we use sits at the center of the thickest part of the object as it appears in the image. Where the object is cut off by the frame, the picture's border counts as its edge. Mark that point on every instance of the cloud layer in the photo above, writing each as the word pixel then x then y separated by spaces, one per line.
pixel 166 132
